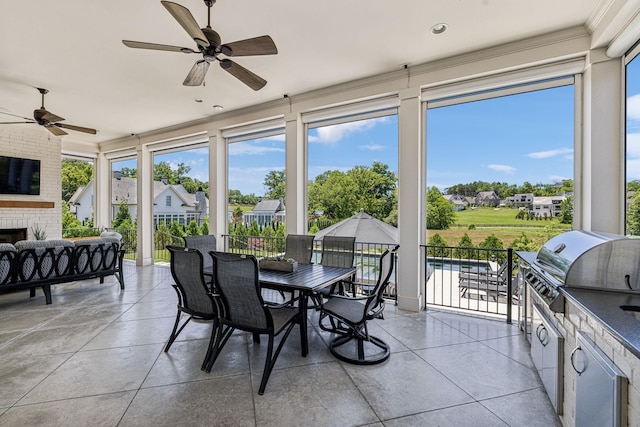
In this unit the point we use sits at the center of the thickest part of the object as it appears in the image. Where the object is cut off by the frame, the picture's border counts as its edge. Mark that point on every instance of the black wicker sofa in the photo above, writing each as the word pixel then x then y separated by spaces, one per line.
pixel 30 264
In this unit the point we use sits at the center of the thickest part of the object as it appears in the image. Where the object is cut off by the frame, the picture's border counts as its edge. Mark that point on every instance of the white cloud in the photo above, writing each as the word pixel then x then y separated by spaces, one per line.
pixel 333 133
pixel 503 168
pixel 247 148
pixel 633 156
pixel 633 107
pixel 372 147
pixel 558 178
pixel 551 153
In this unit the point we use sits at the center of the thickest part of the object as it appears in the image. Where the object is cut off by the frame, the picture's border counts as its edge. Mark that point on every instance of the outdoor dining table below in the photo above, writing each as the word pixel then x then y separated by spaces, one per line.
pixel 306 279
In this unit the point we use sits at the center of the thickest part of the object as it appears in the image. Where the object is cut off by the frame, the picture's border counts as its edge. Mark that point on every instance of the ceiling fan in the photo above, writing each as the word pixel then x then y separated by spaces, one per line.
pixel 49 120
pixel 209 44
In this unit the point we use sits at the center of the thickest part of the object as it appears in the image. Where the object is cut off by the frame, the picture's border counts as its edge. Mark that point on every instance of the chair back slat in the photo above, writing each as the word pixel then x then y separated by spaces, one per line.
pixel 338 251
pixel 186 269
pixel 299 247
pixel 237 282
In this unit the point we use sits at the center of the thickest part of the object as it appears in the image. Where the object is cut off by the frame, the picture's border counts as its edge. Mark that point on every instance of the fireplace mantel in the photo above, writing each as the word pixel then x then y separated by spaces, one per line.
pixel 26 204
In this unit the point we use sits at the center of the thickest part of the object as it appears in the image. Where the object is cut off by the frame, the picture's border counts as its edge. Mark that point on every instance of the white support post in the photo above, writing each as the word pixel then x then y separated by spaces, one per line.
pixel 102 198
pixel 603 198
pixel 296 175
pixel 411 200
pixel 218 184
pixel 144 212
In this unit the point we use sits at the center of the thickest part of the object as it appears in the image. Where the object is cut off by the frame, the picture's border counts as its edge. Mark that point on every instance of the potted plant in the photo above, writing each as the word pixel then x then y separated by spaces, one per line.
pixel 278 263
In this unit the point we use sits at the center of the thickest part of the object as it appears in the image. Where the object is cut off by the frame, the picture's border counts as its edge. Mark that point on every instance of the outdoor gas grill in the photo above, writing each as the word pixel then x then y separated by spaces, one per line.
pixel 582 259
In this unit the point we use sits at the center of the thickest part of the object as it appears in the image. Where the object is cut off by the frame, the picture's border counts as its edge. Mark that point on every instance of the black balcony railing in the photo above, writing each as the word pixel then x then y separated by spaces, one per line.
pixel 475 279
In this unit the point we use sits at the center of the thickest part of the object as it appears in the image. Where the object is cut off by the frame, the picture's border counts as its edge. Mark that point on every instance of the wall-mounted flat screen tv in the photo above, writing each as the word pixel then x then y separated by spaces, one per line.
pixel 19 176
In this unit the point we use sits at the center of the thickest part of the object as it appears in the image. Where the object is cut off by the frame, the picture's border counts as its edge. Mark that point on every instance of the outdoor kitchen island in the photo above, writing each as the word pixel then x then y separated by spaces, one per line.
pixel 585 346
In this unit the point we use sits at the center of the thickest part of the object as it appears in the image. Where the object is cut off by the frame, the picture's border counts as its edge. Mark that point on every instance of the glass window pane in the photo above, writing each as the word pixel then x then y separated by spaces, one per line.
pixel 633 147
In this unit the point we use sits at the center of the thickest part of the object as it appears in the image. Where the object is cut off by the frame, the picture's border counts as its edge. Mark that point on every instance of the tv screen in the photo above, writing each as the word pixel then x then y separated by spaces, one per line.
pixel 19 176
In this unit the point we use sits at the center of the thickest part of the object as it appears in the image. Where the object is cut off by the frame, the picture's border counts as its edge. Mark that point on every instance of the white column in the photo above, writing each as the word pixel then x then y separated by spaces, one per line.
pixel 144 220
pixel 102 191
pixel 602 190
pixel 218 185
pixel 411 200
pixel 296 175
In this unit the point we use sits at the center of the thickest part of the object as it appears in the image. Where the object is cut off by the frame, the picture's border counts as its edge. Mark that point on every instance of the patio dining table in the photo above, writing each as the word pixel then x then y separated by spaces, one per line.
pixel 306 279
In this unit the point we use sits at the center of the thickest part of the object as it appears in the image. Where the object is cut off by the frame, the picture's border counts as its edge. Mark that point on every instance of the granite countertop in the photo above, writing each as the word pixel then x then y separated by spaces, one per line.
pixel 605 307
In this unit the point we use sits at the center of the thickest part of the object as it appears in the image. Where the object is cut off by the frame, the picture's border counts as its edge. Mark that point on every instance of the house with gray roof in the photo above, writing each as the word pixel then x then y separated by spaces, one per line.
pixel 487 198
pixel 266 212
pixel 170 202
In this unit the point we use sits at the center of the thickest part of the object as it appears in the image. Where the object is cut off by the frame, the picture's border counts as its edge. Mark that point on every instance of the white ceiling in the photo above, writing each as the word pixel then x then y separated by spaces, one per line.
pixel 74 48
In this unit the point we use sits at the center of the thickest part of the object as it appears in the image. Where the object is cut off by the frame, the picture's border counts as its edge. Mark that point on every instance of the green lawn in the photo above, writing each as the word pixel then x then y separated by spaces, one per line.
pixel 502 223
pixel 497 216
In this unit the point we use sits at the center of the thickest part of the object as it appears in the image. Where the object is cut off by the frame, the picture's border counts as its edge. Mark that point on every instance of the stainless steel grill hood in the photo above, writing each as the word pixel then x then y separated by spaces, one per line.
pixel 592 260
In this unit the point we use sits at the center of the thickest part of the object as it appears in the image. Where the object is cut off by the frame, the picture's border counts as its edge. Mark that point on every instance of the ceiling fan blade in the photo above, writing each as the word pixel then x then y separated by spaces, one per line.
pixel 262 45
pixel 252 80
pixel 15 123
pixel 156 46
pixel 50 117
pixel 76 128
pixel 197 73
pixel 187 21
pixel 54 129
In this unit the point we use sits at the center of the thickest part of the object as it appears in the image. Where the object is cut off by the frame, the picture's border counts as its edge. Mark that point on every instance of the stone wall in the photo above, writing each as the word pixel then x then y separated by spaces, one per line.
pixel 34 142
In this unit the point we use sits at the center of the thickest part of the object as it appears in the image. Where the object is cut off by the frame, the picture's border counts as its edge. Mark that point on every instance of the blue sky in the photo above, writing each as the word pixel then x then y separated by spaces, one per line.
pixel 526 137
pixel 633 119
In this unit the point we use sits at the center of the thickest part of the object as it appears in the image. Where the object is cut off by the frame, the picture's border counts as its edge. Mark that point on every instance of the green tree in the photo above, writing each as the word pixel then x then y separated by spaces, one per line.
pixel 566 211
pixel 205 226
pixel 123 214
pixel 493 242
pixel 275 185
pixel 440 215
pixel 523 243
pixel 163 170
pixel 176 229
pixel 633 216
pixel 341 194
pixel 193 229
pixel 129 172
pixel 236 217
pixel 69 220
pixel 254 229
pixel 438 241
pixel 465 248
pixel 314 228
pixel 74 174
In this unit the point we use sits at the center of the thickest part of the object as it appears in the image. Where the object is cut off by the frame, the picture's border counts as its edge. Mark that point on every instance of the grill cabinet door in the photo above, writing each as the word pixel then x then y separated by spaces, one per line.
pixel 547 351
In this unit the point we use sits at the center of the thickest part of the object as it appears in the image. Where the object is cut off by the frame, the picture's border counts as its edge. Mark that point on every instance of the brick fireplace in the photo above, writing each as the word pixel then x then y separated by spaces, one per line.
pixel 24 213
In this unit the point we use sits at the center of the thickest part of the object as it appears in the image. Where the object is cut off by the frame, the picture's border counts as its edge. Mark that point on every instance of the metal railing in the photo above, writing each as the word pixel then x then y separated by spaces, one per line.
pixel 474 279
pixel 367 256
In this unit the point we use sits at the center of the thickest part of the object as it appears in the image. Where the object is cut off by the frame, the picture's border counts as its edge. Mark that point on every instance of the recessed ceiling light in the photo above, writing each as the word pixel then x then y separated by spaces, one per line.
pixel 218 107
pixel 198 100
pixel 439 28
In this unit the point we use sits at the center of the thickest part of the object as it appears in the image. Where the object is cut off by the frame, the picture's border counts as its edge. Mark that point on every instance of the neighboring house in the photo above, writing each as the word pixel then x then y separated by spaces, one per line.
pixel 487 198
pixel 265 212
pixel 523 200
pixel 547 206
pixel 459 202
pixel 170 202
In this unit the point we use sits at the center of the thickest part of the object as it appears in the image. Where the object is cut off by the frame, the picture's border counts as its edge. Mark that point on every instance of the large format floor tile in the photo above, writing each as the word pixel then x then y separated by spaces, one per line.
pixel 95 357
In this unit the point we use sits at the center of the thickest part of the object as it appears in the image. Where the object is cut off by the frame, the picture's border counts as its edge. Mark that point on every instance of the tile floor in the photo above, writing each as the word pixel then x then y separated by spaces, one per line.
pixel 94 358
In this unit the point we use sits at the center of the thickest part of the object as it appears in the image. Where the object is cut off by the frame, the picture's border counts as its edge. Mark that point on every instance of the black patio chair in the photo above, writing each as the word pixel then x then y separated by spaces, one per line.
pixel 347 316
pixel 337 251
pixel 236 278
pixel 204 244
pixel 194 296
pixel 299 247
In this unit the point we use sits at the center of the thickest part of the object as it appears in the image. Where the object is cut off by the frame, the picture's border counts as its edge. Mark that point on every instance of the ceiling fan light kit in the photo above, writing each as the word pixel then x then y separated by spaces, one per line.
pixel 209 44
